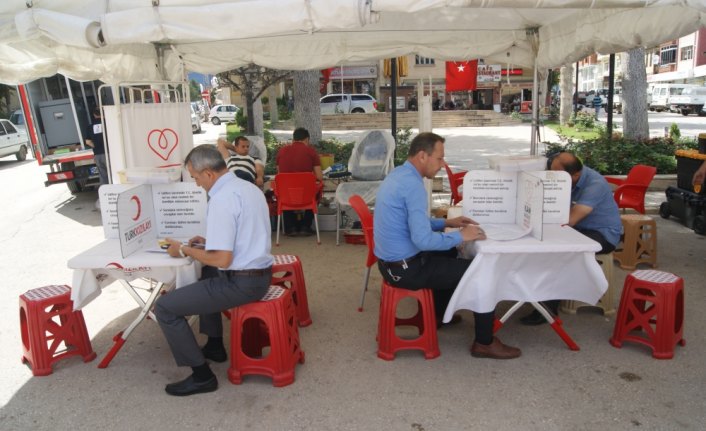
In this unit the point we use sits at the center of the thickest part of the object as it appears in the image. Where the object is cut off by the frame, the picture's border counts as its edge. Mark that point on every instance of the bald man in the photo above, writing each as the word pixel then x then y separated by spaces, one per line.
pixel 593 212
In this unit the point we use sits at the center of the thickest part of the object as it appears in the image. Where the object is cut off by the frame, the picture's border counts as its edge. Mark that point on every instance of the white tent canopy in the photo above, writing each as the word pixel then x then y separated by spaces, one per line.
pixel 119 40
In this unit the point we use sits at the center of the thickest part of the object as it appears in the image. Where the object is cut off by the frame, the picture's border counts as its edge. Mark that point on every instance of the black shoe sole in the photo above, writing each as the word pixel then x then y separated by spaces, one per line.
pixel 215 356
pixel 210 386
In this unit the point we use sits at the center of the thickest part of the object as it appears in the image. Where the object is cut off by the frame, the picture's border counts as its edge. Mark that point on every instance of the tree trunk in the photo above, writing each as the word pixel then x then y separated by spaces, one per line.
pixel 307 112
pixel 249 101
pixel 634 95
pixel 566 106
pixel 258 123
pixel 272 97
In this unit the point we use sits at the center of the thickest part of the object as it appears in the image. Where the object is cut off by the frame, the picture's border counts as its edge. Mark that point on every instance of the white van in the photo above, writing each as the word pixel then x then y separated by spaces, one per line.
pixel 662 92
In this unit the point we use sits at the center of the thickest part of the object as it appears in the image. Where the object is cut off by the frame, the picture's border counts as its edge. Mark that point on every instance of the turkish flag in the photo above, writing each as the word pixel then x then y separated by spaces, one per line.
pixel 461 75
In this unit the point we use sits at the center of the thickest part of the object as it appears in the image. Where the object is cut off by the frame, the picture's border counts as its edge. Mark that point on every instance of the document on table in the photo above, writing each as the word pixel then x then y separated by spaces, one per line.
pixel 504 231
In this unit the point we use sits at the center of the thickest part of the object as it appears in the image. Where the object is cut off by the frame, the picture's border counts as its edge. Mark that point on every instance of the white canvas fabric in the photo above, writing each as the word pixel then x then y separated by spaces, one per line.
pixel 118 40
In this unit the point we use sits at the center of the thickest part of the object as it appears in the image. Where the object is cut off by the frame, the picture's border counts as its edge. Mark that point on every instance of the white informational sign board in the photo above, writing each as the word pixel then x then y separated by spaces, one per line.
pixel 136 219
pixel 508 205
pixel 176 210
pixel 108 196
pixel 179 210
pixel 557 195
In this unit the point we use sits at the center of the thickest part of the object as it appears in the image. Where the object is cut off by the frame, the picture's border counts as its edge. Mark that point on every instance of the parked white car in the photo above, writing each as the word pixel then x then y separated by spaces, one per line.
pixel 691 100
pixel 223 113
pixel 195 120
pixel 347 104
pixel 13 141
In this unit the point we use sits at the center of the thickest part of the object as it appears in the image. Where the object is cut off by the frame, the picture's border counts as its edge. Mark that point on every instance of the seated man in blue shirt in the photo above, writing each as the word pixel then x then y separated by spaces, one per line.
pixel 593 212
pixel 414 252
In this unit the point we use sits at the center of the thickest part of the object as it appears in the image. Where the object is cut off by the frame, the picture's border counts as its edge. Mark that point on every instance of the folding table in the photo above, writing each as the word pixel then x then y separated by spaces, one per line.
pixel 561 266
pixel 102 264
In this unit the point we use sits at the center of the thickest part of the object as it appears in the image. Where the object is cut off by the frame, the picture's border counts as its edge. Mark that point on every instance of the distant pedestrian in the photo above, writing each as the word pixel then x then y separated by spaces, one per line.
pixel 597 102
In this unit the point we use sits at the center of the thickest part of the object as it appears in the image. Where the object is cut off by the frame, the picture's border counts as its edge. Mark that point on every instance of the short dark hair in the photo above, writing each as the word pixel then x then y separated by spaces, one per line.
pixel 237 140
pixel 96 110
pixel 424 142
pixel 575 165
pixel 300 134
pixel 205 157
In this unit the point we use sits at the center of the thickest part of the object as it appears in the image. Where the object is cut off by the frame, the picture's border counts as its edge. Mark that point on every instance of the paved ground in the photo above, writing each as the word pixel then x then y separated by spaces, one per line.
pixel 342 385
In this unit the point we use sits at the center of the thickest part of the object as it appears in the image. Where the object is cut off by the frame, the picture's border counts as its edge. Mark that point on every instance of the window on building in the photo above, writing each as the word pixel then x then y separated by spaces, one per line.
pixel 687 53
pixel 668 55
pixel 419 60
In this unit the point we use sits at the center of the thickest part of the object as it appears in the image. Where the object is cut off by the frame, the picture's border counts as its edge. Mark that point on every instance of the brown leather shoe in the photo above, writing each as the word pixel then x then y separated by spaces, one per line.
pixel 495 350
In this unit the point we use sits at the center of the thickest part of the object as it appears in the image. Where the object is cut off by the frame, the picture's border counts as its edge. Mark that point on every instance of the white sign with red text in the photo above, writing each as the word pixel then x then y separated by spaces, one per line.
pixel 136 224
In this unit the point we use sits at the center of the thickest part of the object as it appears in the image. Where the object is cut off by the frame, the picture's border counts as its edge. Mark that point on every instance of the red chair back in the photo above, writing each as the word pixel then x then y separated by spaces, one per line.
pixel 366 220
pixel 631 192
pixel 455 182
pixel 296 191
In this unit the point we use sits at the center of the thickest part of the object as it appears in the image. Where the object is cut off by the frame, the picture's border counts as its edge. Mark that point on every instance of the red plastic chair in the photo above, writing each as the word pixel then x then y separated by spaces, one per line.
pixel 631 191
pixel 366 220
pixel 297 191
pixel 455 181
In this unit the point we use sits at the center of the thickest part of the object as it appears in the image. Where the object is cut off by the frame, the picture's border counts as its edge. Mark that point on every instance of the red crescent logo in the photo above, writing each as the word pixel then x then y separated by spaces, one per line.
pixel 114 265
pixel 162 142
pixel 139 207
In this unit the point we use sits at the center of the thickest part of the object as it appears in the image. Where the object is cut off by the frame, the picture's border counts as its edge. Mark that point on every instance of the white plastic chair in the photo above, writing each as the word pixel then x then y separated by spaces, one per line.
pixel 371 160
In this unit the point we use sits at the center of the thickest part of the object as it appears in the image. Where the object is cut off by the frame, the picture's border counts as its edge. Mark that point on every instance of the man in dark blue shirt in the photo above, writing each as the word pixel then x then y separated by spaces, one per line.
pixel 94 139
pixel 414 252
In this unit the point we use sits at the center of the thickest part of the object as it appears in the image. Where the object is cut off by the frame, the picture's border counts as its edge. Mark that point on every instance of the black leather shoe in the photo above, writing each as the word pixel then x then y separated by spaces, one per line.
pixel 189 386
pixel 215 355
pixel 533 319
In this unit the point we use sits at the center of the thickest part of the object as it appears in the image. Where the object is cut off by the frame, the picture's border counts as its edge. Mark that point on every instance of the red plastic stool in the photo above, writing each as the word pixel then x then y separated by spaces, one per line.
pixel 651 312
pixel 257 325
pixel 47 320
pixel 293 279
pixel 425 321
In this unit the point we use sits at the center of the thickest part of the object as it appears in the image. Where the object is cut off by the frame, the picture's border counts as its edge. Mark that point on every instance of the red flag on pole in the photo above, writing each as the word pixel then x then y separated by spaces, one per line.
pixel 461 75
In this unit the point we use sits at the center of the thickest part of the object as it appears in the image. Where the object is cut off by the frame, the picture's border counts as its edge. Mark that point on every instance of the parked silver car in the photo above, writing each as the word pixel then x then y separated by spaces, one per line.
pixel 13 141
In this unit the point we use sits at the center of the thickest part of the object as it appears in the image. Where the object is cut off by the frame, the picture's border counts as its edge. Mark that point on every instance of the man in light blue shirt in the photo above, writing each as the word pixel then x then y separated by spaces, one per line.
pixel 414 252
pixel 593 212
pixel 238 268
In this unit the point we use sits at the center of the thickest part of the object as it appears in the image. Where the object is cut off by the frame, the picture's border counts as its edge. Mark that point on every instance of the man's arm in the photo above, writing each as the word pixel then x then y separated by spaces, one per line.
pixel 222 146
pixel 700 174
pixel 578 212
pixel 259 173
pixel 90 143
pixel 318 174
pixel 216 258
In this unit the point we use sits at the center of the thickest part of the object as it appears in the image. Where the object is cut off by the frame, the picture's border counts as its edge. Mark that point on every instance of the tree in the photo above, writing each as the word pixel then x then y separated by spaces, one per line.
pixel 634 99
pixel 567 89
pixel 307 110
pixel 252 80
pixel 194 91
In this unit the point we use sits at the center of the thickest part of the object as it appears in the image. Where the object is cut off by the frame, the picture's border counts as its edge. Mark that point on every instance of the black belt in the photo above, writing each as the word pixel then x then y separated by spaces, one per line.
pixel 403 262
pixel 247 272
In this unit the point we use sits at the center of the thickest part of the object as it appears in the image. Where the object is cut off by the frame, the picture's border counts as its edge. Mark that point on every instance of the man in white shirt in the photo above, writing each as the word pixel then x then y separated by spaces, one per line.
pixel 237 268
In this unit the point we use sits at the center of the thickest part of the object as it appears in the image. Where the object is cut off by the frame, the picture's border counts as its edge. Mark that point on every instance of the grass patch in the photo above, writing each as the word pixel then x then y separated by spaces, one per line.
pixel 572 132
pixel 232 130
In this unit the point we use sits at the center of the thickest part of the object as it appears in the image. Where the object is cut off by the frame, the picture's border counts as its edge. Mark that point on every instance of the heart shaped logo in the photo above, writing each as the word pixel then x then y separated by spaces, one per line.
pixel 162 142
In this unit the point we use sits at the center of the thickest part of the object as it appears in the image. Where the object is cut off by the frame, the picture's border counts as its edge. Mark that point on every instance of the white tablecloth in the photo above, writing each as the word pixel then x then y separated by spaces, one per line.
pixel 562 266
pixel 102 264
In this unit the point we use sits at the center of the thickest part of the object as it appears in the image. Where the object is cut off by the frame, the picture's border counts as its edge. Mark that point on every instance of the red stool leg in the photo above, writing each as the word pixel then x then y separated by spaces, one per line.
pixel 291 275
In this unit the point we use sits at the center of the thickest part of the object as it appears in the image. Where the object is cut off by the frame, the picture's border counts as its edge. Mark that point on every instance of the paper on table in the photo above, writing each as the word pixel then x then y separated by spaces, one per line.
pixel 505 231
pixel 162 246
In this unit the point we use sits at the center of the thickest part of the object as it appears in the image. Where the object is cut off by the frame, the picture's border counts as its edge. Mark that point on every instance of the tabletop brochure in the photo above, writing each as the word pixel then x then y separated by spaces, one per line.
pixel 510 205
pixel 139 215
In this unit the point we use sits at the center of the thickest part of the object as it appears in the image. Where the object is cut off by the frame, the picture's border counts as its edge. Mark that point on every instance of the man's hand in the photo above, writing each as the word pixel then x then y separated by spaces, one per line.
pixel 699 175
pixel 459 222
pixel 174 247
pixel 197 241
pixel 472 232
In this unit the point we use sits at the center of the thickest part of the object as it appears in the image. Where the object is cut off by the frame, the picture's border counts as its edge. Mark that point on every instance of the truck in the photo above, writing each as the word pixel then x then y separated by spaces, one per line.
pixel 56 112
pixel 662 95
pixel 690 101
